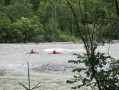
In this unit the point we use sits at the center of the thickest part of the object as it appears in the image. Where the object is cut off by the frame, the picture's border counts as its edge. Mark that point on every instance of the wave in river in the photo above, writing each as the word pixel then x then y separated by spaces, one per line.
pixel 63 50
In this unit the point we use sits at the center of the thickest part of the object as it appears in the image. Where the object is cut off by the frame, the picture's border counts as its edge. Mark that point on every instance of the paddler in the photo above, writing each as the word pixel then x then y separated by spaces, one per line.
pixel 32 51
pixel 54 52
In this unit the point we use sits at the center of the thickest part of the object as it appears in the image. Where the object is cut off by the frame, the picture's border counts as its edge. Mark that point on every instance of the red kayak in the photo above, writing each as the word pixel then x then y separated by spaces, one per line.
pixel 55 53
pixel 32 53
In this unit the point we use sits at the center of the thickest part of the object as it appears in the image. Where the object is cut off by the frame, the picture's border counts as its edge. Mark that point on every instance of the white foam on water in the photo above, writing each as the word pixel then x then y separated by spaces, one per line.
pixel 63 50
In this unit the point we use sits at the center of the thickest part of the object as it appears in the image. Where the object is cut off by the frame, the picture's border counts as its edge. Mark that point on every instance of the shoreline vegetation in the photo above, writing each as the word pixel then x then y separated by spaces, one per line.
pixel 46 42
pixel 73 42
pixel 36 23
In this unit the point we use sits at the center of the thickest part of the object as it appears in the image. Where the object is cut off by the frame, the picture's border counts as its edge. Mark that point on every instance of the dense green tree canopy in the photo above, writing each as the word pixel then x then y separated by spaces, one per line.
pixel 53 20
pixel 4 27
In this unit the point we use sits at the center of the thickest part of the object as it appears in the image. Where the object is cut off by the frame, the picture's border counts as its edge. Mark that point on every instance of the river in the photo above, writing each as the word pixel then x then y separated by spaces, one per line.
pixel 51 70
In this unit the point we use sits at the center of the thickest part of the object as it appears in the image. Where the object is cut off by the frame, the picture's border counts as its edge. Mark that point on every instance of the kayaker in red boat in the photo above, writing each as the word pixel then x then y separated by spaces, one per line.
pixel 54 52
pixel 32 51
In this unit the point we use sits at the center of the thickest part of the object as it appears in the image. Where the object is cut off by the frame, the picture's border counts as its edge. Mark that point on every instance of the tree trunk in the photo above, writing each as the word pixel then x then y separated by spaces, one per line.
pixel 117 7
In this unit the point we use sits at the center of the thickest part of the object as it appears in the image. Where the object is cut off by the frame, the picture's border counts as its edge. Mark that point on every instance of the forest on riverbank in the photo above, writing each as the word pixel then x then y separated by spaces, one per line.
pixel 53 20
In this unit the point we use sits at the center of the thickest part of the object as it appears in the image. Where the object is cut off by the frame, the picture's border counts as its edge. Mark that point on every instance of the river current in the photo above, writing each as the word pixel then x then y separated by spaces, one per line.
pixel 51 70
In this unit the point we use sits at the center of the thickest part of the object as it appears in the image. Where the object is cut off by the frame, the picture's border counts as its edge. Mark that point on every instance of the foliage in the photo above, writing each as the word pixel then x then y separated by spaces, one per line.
pixel 35 4
pixel 18 10
pixel 39 38
pixel 66 38
pixel 89 27
pixel 25 27
pixel 112 29
pixel 94 21
pixel 56 17
pixel 7 2
pixel 101 72
pixel 4 27
pixel 51 31
pixel 2 2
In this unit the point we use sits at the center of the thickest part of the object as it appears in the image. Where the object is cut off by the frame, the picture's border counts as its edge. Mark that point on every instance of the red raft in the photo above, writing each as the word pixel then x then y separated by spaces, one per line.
pixel 56 53
pixel 32 53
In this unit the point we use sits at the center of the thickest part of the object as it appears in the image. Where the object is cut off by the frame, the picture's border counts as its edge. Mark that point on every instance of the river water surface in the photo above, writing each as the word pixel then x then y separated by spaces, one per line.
pixel 51 70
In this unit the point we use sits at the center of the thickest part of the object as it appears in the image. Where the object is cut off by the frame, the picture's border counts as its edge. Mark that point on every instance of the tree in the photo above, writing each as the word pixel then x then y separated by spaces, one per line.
pixel 91 22
pixel 38 34
pixel 44 12
pixel 51 31
pixel 5 23
pixel 89 27
pixel 64 18
pixel 24 27
pixel 18 10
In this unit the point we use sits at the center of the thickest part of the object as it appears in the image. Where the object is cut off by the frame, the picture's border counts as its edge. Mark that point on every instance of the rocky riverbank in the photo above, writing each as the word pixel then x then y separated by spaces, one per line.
pixel 57 67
